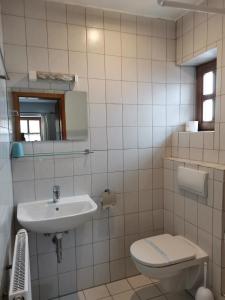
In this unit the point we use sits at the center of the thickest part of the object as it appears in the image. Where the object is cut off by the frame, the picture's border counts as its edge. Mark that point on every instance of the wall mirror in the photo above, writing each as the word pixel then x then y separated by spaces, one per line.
pixel 50 116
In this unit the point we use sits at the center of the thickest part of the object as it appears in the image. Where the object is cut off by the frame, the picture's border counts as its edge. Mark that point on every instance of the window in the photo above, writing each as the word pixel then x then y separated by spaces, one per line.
pixel 30 129
pixel 206 95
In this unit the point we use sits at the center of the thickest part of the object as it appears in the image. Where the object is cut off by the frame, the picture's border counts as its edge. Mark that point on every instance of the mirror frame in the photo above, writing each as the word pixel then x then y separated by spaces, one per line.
pixel 44 96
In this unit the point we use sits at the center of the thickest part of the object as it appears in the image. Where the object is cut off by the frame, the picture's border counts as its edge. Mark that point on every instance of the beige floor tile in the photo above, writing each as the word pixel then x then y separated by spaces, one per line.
pixel 159 287
pixel 118 287
pixel 148 292
pixel 155 281
pixel 139 281
pixel 130 295
pixel 179 296
pixel 96 293
pixel 76 296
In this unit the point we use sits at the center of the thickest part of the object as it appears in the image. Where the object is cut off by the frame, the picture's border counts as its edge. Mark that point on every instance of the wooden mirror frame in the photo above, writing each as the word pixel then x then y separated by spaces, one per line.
pixel 45 96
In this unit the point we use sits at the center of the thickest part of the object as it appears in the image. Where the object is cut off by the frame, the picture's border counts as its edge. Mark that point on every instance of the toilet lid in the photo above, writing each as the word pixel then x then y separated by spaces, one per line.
pixel 162 250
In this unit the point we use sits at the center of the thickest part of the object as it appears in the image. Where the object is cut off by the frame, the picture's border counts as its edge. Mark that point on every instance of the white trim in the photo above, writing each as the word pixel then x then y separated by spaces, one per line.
pixel 186 6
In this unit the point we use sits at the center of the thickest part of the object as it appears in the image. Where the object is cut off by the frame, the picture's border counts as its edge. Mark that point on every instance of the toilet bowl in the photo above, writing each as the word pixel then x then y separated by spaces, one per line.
pixel 174 260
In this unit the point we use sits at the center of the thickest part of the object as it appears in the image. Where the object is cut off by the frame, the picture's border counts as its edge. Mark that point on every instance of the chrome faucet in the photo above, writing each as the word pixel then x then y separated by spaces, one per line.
pixel 56 193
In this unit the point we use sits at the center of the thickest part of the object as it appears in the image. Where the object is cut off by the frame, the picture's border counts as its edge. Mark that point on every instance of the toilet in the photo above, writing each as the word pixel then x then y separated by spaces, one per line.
pixel 174 260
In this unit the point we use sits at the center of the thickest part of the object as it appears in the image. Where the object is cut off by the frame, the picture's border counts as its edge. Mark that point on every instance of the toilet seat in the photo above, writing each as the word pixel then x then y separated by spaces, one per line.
pixel 163 251
pixel 174 260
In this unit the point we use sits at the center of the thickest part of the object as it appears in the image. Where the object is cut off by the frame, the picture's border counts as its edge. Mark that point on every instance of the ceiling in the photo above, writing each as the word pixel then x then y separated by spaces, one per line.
pixel 148 8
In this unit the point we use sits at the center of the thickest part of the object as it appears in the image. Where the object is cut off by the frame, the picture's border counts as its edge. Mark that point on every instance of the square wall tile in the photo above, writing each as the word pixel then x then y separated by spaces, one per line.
pixel 129 45
pixel 113 91
pixel 58 61
pixel 144 47
pixel 84 256
pixel 14 30
pixel 13 7
pixel 57 35
pixel 101 252
pixel 158 49
pixel 96 66
pixel 94 17
pixel 112 20
pixel 144 70
pixel 114 115
pixel 95 40
pixel 145 137
pixel 130 137
pixel 78 63
pixel 129 92
pixel 115 138
pixel 117 268
pixel 99 162
pixel 36 32
pixel 48 287
pixel 76 38
pixel 85 278
pixel 76 15
pixel 101 274
pixel 128 23
pixel 56 12
pixel 34 9
pixel 37 59
pixel 16 63
pixel 115 160
pixel 113 67
pixel 97 115
pixel 144 26
pixel 130 115
pixel 129 69
pixel 98 138
pixel 112 43
pixel 145 93
pixel 67 283
pixel 130 159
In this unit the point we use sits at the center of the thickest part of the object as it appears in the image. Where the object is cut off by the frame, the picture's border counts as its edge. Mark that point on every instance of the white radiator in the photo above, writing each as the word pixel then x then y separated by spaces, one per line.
pixel 20 282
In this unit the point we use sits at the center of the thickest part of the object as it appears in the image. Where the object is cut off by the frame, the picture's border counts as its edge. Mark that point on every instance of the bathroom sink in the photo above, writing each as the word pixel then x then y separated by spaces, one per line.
pixel 49 217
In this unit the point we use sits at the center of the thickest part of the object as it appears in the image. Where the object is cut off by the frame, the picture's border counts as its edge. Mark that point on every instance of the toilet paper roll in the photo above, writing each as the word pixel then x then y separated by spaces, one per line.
pixel 191 126
pixel 108 199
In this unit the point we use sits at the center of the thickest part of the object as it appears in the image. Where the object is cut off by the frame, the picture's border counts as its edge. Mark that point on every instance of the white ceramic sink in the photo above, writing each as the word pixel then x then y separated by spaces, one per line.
pixel 48 217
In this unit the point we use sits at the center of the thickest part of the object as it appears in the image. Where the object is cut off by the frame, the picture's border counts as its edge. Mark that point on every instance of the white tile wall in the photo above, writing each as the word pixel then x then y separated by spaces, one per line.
pixel 199 219
pixel 196 34
pixel 134 96
pixel 6 200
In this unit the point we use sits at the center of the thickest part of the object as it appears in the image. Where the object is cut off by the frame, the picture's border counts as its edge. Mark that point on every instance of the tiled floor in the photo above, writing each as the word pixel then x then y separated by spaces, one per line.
pixel 133 288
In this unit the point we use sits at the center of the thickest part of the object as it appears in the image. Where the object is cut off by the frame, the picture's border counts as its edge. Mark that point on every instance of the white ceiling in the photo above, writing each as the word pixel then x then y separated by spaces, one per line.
pixel 148 8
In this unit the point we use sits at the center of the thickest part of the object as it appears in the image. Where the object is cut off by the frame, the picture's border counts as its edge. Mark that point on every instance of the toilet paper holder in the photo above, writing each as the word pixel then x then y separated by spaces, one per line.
pixel 108 199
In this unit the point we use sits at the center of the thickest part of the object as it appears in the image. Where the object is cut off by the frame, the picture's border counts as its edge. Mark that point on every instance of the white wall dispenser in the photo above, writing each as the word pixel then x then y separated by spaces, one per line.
pixel 108 199
pixel 192 180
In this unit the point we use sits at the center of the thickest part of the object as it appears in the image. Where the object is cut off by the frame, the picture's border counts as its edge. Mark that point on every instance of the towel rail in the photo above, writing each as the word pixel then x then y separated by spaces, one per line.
pixel 84 152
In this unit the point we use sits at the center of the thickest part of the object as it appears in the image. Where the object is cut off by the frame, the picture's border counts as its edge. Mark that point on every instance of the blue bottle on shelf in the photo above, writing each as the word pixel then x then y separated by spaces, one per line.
pixel 17 150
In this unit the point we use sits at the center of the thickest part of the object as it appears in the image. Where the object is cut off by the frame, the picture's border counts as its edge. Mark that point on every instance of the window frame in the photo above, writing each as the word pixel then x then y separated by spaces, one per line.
pixel 200 98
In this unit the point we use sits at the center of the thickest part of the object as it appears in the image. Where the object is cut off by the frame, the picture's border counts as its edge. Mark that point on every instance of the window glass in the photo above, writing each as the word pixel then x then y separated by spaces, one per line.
pixel 23 126
pixel 34 126
pixel 208 110
pixel 208 83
